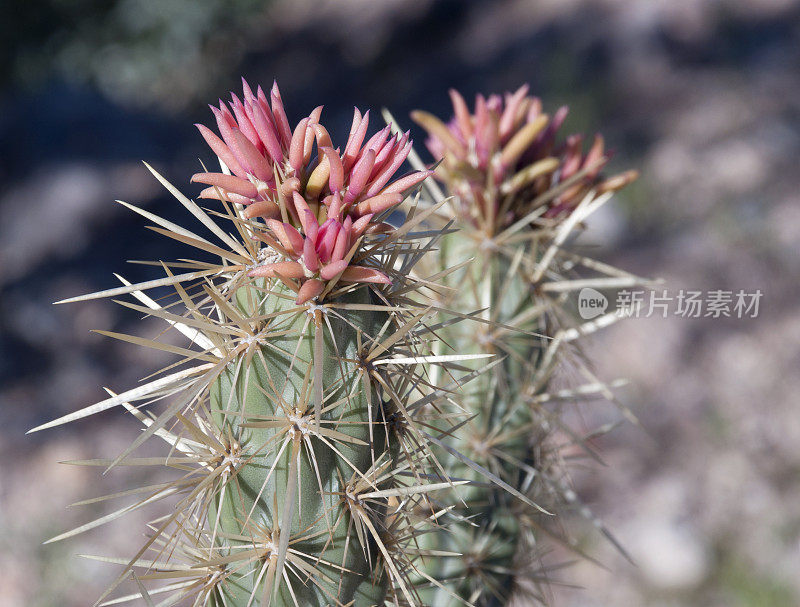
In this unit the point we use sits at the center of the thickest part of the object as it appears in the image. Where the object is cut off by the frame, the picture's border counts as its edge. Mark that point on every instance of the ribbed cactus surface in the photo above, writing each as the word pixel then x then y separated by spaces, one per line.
pixel 293 472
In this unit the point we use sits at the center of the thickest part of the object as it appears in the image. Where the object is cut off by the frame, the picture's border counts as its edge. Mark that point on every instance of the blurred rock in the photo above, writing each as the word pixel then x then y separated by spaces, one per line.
pixel 52 214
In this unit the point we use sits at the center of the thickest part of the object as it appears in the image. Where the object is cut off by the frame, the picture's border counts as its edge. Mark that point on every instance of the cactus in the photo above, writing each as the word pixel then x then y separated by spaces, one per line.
pixel 359 417
pixel 518 193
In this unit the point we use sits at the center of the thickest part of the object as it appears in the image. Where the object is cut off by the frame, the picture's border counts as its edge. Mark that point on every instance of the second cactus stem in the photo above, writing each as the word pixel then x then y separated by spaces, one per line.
pixel 516 193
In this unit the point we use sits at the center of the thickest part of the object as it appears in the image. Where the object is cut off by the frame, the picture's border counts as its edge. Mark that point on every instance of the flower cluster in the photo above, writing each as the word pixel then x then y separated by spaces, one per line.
pixel 502 160
pixel 315 206
pixel 321 255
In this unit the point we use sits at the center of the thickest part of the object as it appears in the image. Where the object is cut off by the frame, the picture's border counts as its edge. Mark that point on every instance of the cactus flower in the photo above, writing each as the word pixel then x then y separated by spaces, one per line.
pixel 321 255
pixel 274 170
pixel 503 160
pixel 314 209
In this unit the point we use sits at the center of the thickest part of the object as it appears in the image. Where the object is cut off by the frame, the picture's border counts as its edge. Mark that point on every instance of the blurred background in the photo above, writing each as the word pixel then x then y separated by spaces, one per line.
pixel 702 96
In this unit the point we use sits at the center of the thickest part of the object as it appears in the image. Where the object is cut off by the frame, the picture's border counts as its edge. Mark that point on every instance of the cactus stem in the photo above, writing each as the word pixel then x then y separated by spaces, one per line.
pixel 319 360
